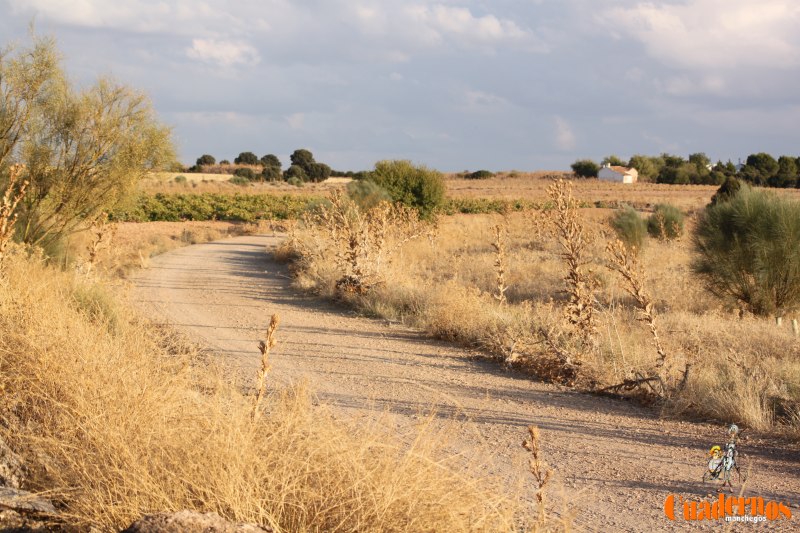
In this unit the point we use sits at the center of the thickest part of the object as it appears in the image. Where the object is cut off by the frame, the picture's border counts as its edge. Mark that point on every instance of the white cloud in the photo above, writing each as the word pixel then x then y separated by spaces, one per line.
pixel 713 34
pixel 223 53
pixel 564 136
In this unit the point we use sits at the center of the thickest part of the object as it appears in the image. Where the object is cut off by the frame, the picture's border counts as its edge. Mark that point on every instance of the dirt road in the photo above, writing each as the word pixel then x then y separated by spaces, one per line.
pixel 617 462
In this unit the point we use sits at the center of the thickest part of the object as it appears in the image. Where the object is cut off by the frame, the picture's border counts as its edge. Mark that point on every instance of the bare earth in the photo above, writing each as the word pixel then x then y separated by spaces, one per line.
pixel 616 461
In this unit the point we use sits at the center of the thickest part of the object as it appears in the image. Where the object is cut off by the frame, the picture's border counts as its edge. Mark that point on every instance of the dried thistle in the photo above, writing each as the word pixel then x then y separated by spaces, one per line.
pixel 103 234
pixel 500 259
pixel 569 230
pixel 15 192
pixel 625 262
pixel 264 347
pixel 541 473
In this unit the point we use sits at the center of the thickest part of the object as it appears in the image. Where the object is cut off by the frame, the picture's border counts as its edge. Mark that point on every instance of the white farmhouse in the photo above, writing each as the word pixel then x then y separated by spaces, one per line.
pixel 618 174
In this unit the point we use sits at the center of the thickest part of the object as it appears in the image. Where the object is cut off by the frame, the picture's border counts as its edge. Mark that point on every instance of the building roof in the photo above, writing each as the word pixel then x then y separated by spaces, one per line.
pixel 621 170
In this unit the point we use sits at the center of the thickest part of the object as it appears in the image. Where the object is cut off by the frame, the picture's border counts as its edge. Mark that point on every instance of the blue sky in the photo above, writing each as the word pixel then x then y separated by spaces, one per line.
pixel 508 84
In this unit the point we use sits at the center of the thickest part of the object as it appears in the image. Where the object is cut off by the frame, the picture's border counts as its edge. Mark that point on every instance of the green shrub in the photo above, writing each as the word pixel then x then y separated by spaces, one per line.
pixel 630 227
pixel 294 180
pixel 367 194
pixel 271 173
pixel 585 168
pixel 295 171
pixel 205 160
pixel 239 180
pixel 729 188
pixel 246 158
pixel 479 175
pixel 179 179
pixel 246 173
pixel 748 250
pixel 666 222
pixel 414 186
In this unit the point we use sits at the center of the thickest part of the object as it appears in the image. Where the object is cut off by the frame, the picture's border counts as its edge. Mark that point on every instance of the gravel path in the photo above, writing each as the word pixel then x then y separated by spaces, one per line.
pixel 616 461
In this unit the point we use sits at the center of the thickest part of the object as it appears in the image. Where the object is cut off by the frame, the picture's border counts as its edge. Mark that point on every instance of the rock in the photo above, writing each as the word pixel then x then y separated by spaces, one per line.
pixel 12 470
pixel 190 522
pixel 23 501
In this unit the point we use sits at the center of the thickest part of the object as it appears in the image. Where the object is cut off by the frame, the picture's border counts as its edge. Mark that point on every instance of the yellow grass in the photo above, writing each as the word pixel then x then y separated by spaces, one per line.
pixel 744 370
pixel 117 419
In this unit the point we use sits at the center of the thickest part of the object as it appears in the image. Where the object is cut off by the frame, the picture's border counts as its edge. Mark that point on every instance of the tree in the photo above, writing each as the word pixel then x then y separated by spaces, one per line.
pixel 206 159
pixel 700 160
pixel 729 188
pixel 246 158
pixel 612 160
pixel 759 168
pixel 271 173
pixel 413 185
pixel 787 173
pixel 647 167
pixel 83 151
pixel 748 250
pixel 302 158
pixel 271 160
pixel 318 172
pixel 295 171
pixel 585 168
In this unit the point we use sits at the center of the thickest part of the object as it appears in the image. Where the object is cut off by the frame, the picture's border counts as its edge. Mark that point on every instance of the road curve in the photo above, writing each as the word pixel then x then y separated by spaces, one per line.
pixel 616 461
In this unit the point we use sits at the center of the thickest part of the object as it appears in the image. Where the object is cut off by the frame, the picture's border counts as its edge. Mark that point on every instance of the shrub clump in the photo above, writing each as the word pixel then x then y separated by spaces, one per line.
pixel 630 227
pixel 413 185
pixel 748 250
pixel 367 194
pixel 666 222
pixel 479 175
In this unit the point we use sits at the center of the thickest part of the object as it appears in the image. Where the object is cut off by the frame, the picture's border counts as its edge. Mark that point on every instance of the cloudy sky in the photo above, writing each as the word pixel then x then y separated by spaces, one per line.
pixel 503 84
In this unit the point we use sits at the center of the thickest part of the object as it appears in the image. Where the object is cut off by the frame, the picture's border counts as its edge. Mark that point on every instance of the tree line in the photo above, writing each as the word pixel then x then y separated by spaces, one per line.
pixel 760 169
pixel 303 167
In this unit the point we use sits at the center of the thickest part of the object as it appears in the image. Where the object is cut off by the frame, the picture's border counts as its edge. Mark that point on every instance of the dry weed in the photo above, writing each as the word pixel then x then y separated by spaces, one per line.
pixel 15 192
pixel 264 347
pixel 500 244
pixel 115 424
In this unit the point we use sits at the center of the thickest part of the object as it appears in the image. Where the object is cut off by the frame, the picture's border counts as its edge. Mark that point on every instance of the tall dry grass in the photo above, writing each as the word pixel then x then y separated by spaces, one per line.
pixel 117 419
pixel 744 370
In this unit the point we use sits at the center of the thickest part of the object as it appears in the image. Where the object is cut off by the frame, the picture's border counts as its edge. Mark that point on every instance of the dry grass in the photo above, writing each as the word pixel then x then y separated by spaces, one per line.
pixel 15 191
pixel 448 288
pixel 117 419
pixel 220 184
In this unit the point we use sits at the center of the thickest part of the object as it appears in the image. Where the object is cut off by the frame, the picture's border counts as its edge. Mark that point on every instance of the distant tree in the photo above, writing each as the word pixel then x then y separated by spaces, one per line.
pixel 318 172
pixel 647 167
pixel 613 160
pixel 271 160
pixel 302 158
pixel 759 168
pixel 246 158
pixel 787 173
pixel 206 159
pixel 585 168
pixel 224 162
pixel 246 173
pixel 670 172
pixel 700 160
pixel 296 172
pixel 271 173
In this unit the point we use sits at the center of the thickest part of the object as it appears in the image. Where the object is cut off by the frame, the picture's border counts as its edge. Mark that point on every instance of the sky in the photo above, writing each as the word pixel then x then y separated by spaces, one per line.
pixel 455 85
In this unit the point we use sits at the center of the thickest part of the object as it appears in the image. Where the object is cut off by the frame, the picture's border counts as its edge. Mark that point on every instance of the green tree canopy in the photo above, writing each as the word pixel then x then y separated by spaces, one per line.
pixel 206 159
pixel 271 160
pixel 84 150
pixel 585 168
pixel 246 158
pixel 413 185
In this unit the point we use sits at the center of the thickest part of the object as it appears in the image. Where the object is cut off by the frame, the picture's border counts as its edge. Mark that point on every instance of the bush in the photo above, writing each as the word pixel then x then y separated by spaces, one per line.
pixel 748 249
pixel 271 173
pixel 729 188
pixel 294 180
pixel 239 180
pixel 295 171
pixel 179 179
pixel 246 158
pixel 367 194
pixel 585 168
pixel 666 222
pixel 630 227
pixel 415 186
pixel 206 159
pixel 479 175
pixel 246 173
pixel 318 172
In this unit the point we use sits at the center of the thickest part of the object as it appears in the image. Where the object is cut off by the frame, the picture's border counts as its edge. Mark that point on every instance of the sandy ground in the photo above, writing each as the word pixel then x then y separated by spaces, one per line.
pixel 615 462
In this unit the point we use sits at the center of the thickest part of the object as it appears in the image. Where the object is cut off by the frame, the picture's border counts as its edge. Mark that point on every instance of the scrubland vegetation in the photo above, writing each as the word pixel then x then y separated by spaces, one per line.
pixel 117 419
pixel 548 291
